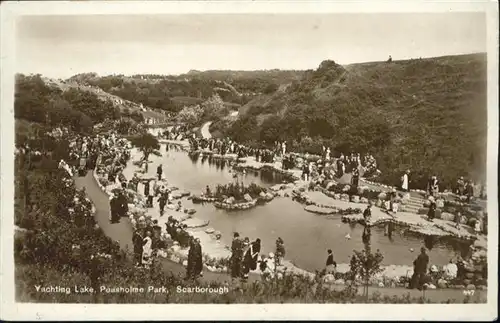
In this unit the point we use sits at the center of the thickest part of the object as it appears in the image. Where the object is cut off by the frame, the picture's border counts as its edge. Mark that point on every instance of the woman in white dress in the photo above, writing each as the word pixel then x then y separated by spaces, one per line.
pixel 147 251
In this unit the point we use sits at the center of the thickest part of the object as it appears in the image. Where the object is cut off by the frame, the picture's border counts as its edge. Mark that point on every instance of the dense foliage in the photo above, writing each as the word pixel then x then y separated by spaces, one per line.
pixel 38 101
pixel 428 115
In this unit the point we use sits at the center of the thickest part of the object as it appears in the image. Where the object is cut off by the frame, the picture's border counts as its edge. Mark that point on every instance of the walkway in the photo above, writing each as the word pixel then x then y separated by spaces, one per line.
pixel 122 233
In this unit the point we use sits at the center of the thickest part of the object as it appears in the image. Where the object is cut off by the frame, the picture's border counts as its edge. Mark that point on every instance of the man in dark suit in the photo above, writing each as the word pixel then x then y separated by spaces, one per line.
pixel 114 206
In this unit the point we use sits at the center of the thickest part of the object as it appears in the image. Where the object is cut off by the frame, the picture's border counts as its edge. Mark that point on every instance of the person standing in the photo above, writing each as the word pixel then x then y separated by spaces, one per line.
pixel 195 260
pixel 405 181
pixel 305 171
pixel 123 204
pixel 433 186
pixel 137 240
pixel 367 213
pixel 147 191
pixel 250 258
pixel 419 269
pixel 431 214
pixel 147 251
pixel 190 261
pixel 331 265
pixel 114 206
pixel 236 255
pixel 460 186
pixel 135 182
pixel 469 191
pixel 159 171
pixel 355 177
pixel 162 201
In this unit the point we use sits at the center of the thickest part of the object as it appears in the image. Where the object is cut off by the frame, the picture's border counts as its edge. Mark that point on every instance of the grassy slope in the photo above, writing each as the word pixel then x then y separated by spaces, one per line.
pixel 133 107
pixel 435 108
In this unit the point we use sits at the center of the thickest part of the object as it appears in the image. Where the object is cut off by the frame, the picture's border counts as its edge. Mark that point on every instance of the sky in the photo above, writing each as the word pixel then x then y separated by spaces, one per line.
pixel 61 46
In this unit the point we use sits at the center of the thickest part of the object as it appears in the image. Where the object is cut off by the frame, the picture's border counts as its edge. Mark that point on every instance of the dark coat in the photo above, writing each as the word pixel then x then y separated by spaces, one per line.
pixel 330 261
pixel 420 264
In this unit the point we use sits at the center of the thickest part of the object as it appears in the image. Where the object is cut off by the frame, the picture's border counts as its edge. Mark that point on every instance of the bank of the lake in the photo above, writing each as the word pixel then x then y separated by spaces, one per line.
pixel 307 236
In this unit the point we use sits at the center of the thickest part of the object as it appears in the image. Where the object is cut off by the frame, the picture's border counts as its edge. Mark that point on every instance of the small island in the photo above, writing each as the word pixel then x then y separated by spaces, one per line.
pixel 235 196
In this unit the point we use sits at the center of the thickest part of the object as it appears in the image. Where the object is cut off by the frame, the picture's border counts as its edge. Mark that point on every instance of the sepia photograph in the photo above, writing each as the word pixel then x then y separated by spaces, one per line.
pixel 282 156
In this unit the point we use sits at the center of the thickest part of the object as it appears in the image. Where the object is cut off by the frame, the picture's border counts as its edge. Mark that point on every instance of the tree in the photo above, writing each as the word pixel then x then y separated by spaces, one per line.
pixel 147 144
pixel 365 265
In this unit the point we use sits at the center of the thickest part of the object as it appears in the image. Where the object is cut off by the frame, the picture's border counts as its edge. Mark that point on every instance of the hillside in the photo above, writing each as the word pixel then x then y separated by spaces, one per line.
pixel 43 101
pixel 172 93
pixel 428 115
pixel 116 101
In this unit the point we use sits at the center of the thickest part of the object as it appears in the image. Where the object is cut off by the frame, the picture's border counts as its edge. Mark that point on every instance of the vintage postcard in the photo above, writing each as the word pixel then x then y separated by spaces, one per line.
pixel 249 160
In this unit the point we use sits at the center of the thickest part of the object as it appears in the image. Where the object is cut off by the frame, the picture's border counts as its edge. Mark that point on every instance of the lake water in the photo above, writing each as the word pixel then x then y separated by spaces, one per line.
pixel 307 236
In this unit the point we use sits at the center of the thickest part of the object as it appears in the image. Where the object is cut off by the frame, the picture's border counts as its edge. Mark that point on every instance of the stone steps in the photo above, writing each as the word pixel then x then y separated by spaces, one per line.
pixel 410 209
pixel 412 203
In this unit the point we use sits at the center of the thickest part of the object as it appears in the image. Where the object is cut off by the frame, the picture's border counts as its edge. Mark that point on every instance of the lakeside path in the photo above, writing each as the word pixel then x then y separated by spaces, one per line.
pixel 122 233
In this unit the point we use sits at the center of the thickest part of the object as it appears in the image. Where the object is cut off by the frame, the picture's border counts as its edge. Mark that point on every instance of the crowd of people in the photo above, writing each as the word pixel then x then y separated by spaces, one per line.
pixel 326 164
pixel 245 257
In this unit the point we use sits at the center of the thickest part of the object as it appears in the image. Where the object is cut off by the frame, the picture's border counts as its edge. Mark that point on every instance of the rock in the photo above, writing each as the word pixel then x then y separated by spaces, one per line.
pixel 382 196
pixel 268 196
pixel 185 263
pixel 318 209
pixel 346 188
pixel 364 200
pixel 427 203
pixel 329 279
pixel 247 197
pixel 469 275
pixel 336 196
pixel 440 203
pixel 355 199
pixel 482 287
pixel 262 195
pixel 467 282
pixel 470 287
pixel 344 197
pixel 442 283
pixel 450 271
pixel 378 203
pixel 191 211
pixel 340 282
pixel 209 230
pixel 229 200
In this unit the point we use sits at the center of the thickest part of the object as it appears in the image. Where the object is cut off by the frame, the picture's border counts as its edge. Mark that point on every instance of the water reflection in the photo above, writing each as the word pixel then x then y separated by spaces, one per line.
pixel 265 175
